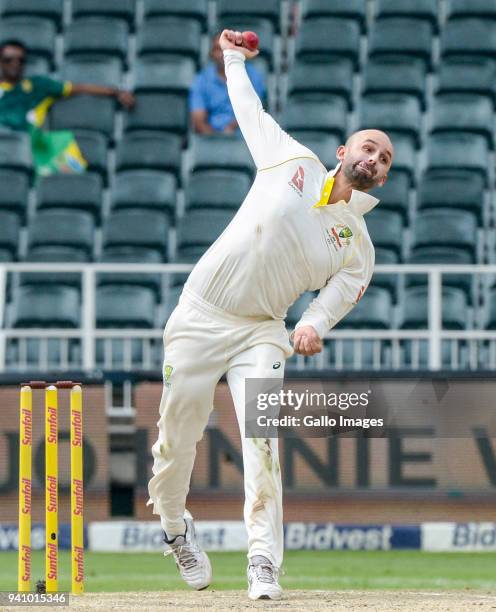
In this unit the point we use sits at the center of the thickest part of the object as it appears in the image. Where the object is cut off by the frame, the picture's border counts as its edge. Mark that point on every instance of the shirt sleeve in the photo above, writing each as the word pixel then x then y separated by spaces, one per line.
pixel 268 143
pixel 343 290
pixel 54 88
pixel 197 97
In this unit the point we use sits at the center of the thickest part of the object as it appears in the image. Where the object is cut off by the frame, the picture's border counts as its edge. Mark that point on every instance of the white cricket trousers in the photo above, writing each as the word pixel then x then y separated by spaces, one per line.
pixel 201 344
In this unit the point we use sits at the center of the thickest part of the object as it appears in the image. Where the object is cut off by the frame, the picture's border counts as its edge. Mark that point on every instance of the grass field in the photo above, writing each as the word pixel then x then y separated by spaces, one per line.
pixel 325 570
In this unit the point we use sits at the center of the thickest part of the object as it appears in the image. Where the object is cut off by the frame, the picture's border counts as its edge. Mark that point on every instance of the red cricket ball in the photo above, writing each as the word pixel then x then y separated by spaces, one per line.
pixel 250 40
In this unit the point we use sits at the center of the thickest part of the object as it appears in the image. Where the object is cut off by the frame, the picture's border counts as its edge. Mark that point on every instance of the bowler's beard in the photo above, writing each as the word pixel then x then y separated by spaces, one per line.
pixel 357 179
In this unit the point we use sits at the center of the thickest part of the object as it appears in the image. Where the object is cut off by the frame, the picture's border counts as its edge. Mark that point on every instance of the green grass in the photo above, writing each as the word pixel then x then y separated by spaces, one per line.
pixel 303 570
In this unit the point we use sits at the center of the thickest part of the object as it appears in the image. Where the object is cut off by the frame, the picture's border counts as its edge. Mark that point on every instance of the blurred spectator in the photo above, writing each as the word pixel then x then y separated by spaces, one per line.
pixel 24 103
pixel 210 107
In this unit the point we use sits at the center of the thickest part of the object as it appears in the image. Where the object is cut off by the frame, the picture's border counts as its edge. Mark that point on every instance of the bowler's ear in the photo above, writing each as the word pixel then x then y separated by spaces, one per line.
pixel 383 180
pixel 340 151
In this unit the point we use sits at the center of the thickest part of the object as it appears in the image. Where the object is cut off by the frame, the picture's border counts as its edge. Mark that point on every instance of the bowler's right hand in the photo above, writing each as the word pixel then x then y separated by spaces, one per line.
pixel 231 39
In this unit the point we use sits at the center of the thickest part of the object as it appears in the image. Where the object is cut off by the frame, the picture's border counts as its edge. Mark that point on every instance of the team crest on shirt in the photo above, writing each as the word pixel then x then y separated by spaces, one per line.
pixel 298 181
pixel 339 236
pixel 167 374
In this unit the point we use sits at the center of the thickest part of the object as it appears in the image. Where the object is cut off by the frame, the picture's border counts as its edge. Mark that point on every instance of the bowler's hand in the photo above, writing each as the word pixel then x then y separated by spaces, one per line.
pixel 230 39
pixel 306 341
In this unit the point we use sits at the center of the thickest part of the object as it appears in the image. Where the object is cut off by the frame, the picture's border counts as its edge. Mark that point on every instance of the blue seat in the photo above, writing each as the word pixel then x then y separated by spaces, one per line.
pixel 54 253
pixel 90 113
pixel 9 232
pixel 238 10
pixel 324 38
pixel 145 189
pixel 322 144
pixel 414 313
pixel 123 9
pixel 130 254
pixel 389 74
pixel 137 228
pixel 458 9
pixel 373 311
pixel 90 68
pixel 71 191
pixel 36 33
pixel 48 9
pixel 394 194
pixel 385 228
pixel 15 152
pixel 231 153
pixel 405 158
pixel 62 228
pixel 45 306
pixel 125 306
pixel 197 230
pixel 419 9
pixel 456 229
pixel 164 74
pixel 470 74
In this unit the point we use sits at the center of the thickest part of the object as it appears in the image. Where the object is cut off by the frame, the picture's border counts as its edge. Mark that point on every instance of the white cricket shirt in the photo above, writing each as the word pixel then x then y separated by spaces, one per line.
pixel 279 245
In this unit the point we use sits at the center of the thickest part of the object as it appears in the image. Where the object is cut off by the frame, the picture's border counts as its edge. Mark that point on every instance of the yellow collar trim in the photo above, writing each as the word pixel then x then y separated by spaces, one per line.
pixel 326 193
pixel 6 86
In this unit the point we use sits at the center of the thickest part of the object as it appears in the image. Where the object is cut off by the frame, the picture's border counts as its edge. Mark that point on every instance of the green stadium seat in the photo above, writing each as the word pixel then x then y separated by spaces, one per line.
pixel 162 112
pixel 471 74
pixel 386 280
pixel 231 153
pixel 297 308
pixel 212 189
pixel 350 9
pixel 54 254
pixel 405 157
pixel 73 229
pixel 126 254
pixel 463 112
pixel 164 73
pixel 48 9
pixel 149 150
pixel 123 9
pixel 125 306
pixel 72 192
pixel 262 27
pixel 36 33
pixel 394 194
pixel 373 311
pixel 385 228
pixel 414 313
pixel 15 152
pixel 145 189
pixel 331 77
pixel 469 36
pixel 93 147
pixel 197 230
pixel 174 35
pixel 9 232
pixel 92 69
pixel 393 113
pixel 401 75
pixel 37 66
pixel 420 9
pixel 84 113
pixel 490 315
pixel 193 9
pixel 137 228
pixel 447 256
pixel 328 115
pixel 457 151
pixel 120 353
pixel 448 228
pixel 103 36
pixel 324 38
pixel 323 145
pixel 471 8
pixel 45 306
pixel 393 37
pixel 459 189
pixel 238 10
pixel 14 193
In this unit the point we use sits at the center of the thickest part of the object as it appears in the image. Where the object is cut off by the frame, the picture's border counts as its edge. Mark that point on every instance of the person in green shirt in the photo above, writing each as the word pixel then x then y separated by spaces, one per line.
pixel 24 104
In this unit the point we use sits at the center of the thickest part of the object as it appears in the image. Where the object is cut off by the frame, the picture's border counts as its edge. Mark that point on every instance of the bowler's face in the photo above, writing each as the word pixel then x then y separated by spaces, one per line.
pixel 367 159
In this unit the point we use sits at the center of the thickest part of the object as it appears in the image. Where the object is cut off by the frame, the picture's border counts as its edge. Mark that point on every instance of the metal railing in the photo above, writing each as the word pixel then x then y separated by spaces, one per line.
pixel 89 334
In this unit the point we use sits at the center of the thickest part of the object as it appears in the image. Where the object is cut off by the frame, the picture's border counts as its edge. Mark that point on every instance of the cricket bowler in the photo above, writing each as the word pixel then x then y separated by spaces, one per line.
pixel 300 228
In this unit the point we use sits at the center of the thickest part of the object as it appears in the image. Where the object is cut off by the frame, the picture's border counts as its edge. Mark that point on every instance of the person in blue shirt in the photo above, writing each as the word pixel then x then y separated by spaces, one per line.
pixel 209 103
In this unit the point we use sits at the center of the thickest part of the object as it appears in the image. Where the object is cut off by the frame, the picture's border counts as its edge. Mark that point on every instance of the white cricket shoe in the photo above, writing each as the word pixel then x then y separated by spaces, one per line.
pixel 263 579
pixel 193 564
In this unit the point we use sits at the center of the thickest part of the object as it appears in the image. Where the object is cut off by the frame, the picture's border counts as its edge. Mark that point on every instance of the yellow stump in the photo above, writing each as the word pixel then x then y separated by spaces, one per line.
pixel 77 543
pixel 51 488
pixel 25 448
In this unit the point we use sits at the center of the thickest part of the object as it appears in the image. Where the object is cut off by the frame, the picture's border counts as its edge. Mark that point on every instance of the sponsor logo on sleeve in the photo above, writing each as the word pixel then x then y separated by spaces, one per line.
pixel 298 181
